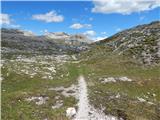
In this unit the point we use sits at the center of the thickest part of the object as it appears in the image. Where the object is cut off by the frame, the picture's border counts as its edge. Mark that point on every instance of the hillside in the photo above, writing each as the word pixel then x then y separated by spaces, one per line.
pixel 123 81
pixel 48 77
pixel 141 43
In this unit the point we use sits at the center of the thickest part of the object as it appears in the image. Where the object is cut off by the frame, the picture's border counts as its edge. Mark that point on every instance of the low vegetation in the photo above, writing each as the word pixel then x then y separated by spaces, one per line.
pixel 122 74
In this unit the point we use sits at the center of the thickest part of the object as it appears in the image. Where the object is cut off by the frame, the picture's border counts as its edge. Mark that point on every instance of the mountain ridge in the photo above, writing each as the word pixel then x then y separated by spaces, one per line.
pixel 140 42
pixel 16 41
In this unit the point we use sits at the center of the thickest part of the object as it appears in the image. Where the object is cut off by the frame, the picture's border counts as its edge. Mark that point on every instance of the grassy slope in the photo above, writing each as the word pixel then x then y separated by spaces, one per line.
pixel 17 87
pixel 145 80
pixel 145 83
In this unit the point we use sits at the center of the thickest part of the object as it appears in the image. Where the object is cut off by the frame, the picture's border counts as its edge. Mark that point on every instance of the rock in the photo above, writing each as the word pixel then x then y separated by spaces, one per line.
pixel 151 103
pixel 38 100
pixel 124 79
pixel 117 96
pixel 112 79
pixel 109 79
pixel 58 104
pixel 70 112
pixel 141 99
pixel 141 43
pixel 154 94
pixel 1 78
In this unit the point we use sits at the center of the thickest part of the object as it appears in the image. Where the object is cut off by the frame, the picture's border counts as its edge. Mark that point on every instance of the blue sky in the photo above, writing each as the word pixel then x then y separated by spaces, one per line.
pixel 87 17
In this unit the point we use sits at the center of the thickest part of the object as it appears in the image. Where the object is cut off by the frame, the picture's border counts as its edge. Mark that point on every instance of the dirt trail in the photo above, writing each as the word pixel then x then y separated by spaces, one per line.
pixel 83 104
pixel 85 110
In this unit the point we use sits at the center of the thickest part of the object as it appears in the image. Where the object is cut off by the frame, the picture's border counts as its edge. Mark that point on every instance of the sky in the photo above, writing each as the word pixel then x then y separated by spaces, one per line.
pixel 96 19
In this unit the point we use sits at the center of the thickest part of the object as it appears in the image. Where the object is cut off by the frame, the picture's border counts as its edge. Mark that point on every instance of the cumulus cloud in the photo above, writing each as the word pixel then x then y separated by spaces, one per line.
pixel 124 6
pixel 49 17
pixel 28 33
pixel 5 19
pixel 90 33
pixel 93 35
pixel 79 26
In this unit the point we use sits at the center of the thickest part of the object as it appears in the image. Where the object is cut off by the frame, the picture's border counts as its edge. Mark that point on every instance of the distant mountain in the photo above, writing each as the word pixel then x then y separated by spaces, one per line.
pixel 63 37
pixel 141 42
pixel 80 38
pixel 18 41
pixel 57 35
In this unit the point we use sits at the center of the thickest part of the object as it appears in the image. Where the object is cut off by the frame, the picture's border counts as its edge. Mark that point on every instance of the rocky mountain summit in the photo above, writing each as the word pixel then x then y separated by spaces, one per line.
pixel 141 42
pixel 71 39
pixel 57 35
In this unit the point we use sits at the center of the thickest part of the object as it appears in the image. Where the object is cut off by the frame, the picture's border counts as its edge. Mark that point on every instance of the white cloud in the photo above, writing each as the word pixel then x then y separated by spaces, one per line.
pixel 76 26
pixel 124 6
pixel 49 17
pixel 28 33
pixel 5 19
pixel 100 38
pixel 93 35
pixel 90 33
pixel 79 26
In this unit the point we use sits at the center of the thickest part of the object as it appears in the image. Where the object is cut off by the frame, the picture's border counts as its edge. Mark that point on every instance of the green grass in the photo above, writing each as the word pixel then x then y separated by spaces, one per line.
pixel 17 87
pixel 145 80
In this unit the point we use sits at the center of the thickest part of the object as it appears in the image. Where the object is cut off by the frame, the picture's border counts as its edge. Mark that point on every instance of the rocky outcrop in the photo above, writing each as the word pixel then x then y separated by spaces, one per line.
pixel 140 42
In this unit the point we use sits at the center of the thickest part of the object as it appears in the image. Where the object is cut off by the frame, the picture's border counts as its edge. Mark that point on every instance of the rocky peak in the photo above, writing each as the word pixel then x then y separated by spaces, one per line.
pixel 56 35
